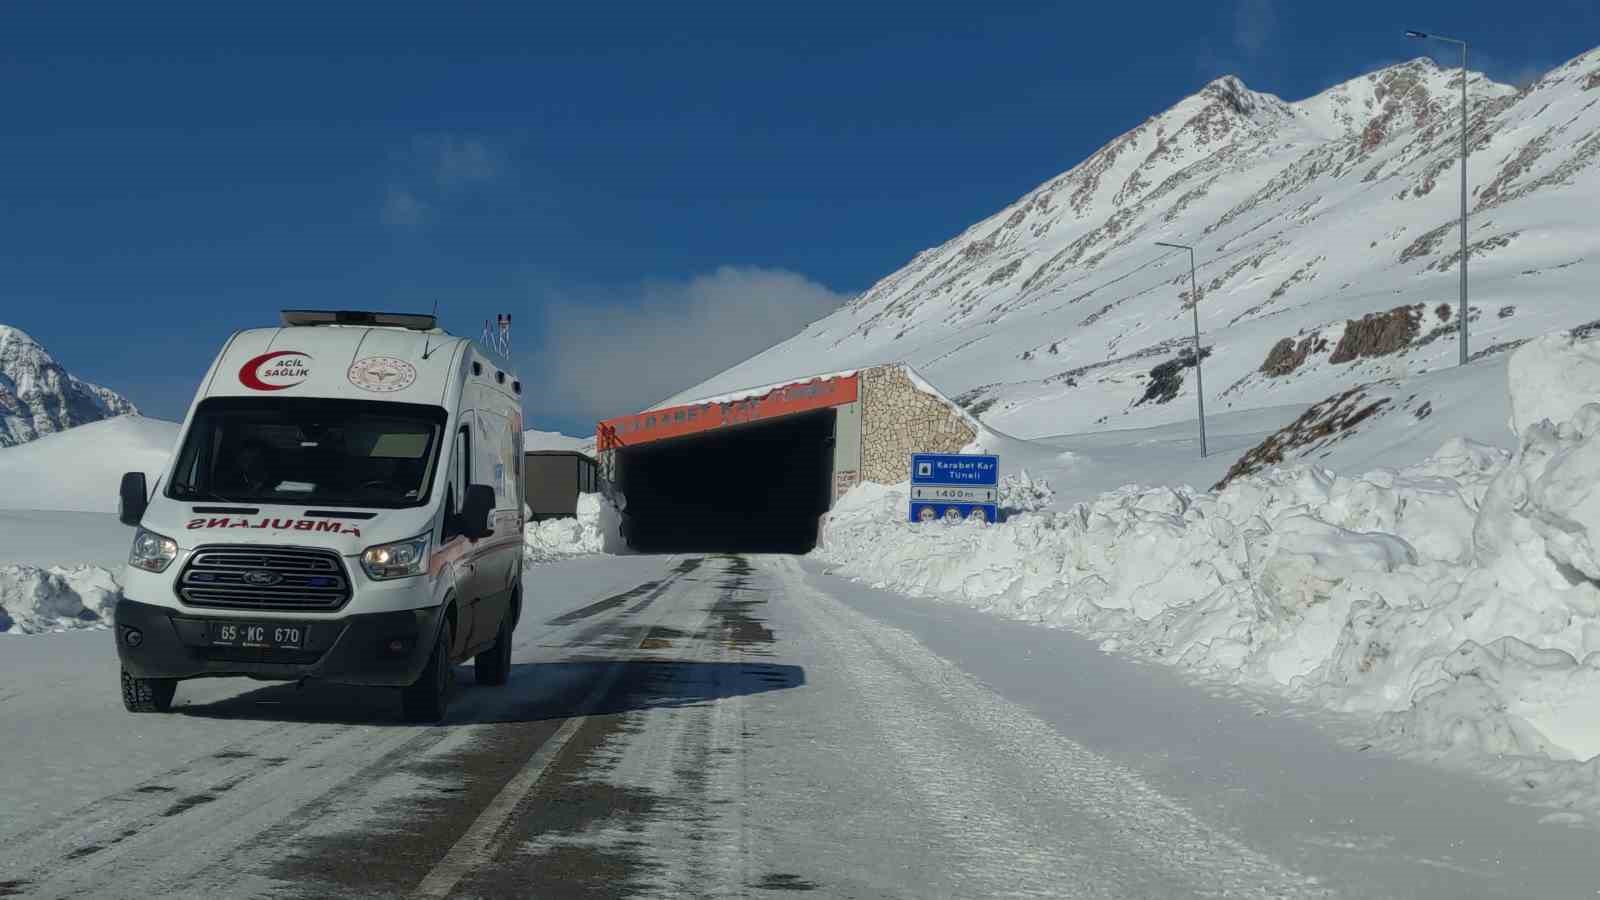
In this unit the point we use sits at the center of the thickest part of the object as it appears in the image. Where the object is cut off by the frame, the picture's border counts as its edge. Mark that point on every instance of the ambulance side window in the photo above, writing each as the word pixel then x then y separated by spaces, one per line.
pixel 460 476
pixel 461 471
pixel 494 455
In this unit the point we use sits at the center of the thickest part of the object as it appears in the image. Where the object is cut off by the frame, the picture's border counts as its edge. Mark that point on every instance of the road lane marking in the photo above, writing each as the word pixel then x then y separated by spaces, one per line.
pixel 482 839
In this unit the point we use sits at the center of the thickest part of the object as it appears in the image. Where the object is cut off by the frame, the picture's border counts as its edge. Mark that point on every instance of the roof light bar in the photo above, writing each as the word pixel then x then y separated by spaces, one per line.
pixel 413 321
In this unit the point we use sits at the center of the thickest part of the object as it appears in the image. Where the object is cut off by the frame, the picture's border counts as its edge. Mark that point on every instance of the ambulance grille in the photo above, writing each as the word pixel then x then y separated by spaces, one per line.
pixel 277 578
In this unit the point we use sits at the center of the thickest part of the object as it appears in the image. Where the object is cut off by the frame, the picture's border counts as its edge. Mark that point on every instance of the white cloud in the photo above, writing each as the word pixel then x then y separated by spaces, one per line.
pixel 1517 73
pixel 433 171
pixel 620 350
pixel 457 161
pixel 1253 24
pixel 1525 76
pixel 401 208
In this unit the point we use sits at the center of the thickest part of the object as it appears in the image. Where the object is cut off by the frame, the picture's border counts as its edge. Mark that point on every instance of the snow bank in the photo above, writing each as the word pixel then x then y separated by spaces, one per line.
pixel 1453 602
pixel 1551 377
pixel 81 468
pixel 34 600
pixel 596 529
pixel 58 538
pixel 1024 493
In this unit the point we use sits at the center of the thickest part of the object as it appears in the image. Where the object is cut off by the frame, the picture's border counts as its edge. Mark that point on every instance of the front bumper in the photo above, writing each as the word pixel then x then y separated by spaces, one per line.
pixel 352 650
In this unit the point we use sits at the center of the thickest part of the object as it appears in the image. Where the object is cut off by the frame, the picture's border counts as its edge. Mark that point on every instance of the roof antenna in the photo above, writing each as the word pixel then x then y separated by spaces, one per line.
pixel 425 341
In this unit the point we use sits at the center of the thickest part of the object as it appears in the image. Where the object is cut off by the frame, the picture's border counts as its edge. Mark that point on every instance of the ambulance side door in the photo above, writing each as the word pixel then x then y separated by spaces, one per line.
pixel 500 552
pixel 463 473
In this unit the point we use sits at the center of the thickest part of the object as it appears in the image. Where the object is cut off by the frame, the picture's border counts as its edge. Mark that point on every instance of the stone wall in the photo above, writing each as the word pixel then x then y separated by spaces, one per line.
pixel 896 420
pixel 899 419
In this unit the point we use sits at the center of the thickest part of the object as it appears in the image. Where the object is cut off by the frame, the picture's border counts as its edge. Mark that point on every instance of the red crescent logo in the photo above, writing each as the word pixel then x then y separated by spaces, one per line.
pixel 250 372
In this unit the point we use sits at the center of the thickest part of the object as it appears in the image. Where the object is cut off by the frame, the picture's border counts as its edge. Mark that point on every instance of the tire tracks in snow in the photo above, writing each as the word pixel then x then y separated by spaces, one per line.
pixel 207 826
pixel 195 816
pixel 649 800
pixel 1025 810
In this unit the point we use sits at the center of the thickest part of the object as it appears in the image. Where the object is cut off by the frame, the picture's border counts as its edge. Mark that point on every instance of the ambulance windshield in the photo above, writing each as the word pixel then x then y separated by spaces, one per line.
pixel 309 451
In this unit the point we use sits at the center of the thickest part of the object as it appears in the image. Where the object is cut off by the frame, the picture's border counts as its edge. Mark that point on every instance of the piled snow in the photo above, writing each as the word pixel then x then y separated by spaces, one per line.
pixel 596 529
pixel 52 538
pixel 1453 602
pixel 79 469
pixel 533 439
pixel 1551 378
pixel 34 600
pixel 1023 493
pixel 61 551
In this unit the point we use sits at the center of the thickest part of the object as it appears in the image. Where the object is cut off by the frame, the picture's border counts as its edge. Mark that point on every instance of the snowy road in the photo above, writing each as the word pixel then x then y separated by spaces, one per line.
pixel 726 726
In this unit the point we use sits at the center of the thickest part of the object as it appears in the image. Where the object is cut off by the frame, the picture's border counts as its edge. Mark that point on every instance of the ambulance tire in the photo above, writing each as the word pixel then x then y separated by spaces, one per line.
pixel 147 695
pixel 427 699
pixel 493 666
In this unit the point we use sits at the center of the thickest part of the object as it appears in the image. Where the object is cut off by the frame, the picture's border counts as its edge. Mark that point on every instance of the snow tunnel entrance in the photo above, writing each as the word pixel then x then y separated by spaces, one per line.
pixel 760 487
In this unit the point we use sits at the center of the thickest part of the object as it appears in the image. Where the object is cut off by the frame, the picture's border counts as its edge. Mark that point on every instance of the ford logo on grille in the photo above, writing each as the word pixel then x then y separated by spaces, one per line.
pixel 261 578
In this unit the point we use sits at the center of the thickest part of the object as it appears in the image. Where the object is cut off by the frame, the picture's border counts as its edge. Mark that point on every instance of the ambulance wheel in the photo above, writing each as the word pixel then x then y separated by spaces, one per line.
pixel 147 695
pixel 493 666
pixel 426 699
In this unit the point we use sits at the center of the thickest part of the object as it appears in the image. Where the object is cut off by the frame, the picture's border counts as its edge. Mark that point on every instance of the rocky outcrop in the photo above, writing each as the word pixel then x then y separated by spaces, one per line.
pixel 1378 334
pixel 1325 422
pixel 1289 354
pixel 1476 251
pixel 1426 243
pixel 1167 379
pixel 1004 272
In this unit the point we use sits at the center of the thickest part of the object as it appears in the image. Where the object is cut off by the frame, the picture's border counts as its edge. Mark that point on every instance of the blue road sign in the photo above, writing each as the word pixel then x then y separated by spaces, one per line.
pixel 954 486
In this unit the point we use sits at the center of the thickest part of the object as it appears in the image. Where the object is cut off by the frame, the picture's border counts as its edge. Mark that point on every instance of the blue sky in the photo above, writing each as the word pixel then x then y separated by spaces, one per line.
pixel 653 190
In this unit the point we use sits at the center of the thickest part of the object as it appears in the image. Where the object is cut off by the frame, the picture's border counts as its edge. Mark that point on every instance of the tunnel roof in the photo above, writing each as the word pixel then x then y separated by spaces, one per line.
pixel 754 405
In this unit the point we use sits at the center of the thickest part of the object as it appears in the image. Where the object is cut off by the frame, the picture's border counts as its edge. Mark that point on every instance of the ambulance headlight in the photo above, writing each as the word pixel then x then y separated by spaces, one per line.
pixel 401 559
pixel 152 552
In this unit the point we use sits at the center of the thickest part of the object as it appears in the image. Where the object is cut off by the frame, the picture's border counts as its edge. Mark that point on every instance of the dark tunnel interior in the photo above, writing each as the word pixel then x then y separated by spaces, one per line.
pixel 749 488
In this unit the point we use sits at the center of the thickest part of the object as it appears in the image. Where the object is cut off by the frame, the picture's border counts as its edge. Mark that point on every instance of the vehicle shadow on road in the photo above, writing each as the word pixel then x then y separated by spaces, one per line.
pixel 537 692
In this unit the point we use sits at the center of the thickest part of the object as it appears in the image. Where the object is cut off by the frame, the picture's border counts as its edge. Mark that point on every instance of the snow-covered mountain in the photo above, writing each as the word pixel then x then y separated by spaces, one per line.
pixel 38 396
pixel 1326 242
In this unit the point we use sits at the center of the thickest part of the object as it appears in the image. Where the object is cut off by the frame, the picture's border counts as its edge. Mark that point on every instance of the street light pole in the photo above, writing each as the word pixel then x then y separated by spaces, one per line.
pixel 1194 306
pixel 1423 35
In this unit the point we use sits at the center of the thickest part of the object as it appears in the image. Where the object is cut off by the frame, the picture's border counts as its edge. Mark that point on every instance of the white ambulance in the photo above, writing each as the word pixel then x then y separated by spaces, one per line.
pixel 345 505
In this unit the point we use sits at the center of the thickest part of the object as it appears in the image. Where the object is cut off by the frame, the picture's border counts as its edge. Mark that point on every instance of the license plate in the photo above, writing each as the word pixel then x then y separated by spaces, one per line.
pixel 257 635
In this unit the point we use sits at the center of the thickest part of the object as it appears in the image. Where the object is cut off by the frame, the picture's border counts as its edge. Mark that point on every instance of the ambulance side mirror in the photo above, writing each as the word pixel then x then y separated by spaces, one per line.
pixel 134 498
pixel 475 512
